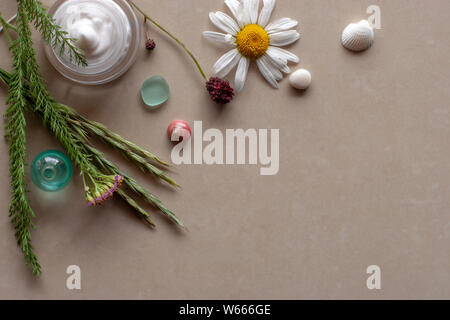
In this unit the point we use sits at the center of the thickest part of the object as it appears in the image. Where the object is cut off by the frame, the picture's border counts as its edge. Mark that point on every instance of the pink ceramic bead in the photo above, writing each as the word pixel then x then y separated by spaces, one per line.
pixel 180 128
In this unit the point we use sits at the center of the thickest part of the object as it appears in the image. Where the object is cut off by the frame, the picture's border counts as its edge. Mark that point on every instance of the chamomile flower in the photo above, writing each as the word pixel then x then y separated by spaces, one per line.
pixel 253 38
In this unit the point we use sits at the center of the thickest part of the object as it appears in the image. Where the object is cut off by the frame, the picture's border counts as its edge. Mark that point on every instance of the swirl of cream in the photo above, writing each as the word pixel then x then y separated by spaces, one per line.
pixel 100 27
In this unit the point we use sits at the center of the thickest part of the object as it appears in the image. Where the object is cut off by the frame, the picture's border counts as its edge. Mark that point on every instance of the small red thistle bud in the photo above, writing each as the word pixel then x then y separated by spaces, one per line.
pixel 150 44
pixel 220 90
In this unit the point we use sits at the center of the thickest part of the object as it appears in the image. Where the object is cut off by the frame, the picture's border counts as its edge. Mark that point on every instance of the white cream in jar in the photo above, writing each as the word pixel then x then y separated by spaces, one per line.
pixel 104 31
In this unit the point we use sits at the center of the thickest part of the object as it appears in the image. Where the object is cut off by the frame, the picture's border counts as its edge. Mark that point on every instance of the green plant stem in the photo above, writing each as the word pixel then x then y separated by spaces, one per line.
pixel 124 150
pixel 128 149
pixel 7 24
pixel 63 117
pixel 102 132
pixel 12 27
pixel 132 184
pixel 27 91
pixel 80 138
pixel 146 16
pixel 51 33
pixel 20 210
pixel 136 207
pixel 6 27
pixel 94 154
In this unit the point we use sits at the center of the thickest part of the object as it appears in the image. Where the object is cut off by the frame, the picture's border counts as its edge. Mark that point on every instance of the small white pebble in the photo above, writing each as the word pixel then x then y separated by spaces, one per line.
pixel 300 79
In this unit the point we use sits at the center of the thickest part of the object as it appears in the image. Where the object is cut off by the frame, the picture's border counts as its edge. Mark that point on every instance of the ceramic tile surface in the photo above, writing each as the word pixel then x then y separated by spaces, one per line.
pixel 364 173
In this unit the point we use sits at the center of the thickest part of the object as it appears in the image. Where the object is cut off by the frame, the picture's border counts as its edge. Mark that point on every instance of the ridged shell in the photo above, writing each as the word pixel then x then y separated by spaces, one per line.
pixel 358 36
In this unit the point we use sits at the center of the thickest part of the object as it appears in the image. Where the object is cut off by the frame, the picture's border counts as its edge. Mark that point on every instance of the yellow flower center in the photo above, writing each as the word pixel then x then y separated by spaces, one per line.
pixel 252 41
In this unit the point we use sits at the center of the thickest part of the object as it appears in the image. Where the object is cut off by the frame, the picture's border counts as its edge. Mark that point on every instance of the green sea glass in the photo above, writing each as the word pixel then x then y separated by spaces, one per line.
pixel 155 91
pixel 51 170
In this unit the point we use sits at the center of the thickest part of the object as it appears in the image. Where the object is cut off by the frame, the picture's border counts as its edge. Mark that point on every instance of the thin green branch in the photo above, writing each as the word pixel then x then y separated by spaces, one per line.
pixel 133 184
pixel 5 27
pixel 146 16
pixel 20 210
pixel 27 91
pixel 104 164
pixel 51 33
pixel 99 130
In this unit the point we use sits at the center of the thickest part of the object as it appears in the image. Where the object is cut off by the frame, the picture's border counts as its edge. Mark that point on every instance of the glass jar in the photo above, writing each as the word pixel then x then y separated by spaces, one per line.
pixel 108 32
pixel 51 170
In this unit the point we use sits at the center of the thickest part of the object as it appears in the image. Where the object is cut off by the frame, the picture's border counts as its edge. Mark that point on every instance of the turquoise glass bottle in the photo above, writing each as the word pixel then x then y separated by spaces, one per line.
pixel 51 170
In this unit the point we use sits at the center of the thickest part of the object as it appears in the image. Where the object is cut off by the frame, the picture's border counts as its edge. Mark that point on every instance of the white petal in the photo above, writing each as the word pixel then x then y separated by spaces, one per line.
pixel 253 8
pixel 233 5
pixel 282 24
pixel 241 74
pixel 278 62
pixel 241 16
pixel 286 69
pixel 226 63
pixel 266 12
pixel 266 72
pixel 228 21
pixel 283 54
pixel 218 37
pixel 245 7
pixel 273 68
pixel 284 38
pixel 224 22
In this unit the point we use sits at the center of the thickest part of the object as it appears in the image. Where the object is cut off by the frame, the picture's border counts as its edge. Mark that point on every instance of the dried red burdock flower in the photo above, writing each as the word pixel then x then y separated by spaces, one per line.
pixel 220 90
pixel 150 44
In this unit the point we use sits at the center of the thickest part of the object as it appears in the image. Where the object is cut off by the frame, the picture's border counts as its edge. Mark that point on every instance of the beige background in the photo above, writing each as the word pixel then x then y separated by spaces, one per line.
pixel 364 170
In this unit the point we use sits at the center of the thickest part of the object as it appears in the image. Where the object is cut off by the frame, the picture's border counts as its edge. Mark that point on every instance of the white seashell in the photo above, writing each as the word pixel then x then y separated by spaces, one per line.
pixel 358 36
pixel 300 79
